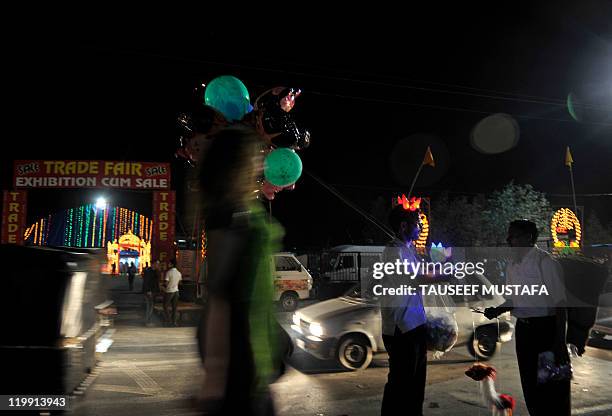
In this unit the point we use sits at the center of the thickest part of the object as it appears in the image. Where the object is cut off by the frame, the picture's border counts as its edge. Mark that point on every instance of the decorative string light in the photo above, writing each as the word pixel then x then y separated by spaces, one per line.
pixel 421 242
pixel 47 230
pixel 104 227
pixel 114 236
pixel 85 226
pixel 80 227
pixel 28 232
pixel 203 245
pixel 42 229
pixel 93 231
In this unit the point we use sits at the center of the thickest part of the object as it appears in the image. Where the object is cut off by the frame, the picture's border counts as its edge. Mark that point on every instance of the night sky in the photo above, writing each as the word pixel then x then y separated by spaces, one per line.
pixel 376 92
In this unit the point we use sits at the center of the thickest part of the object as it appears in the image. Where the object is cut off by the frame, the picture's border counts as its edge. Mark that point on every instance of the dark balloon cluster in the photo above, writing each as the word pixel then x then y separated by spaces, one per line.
pixel 275 120
pixel 224 102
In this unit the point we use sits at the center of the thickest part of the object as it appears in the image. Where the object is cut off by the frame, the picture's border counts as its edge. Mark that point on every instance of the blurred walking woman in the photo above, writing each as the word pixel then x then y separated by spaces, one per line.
pixel 238 334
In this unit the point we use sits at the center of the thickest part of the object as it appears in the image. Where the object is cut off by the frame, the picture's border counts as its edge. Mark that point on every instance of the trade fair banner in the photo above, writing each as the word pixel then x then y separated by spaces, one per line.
pixel 164 215
pixel 91 174
pixel 14 211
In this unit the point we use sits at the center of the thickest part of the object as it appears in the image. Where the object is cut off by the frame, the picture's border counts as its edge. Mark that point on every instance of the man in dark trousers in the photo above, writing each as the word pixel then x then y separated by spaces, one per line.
pixel 541 321
pixel 131 274
pixel 171 296
pixel 150 283
pixel 403 325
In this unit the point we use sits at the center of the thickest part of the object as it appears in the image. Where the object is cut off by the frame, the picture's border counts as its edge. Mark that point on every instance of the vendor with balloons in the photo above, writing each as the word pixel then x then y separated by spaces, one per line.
pixel 241 152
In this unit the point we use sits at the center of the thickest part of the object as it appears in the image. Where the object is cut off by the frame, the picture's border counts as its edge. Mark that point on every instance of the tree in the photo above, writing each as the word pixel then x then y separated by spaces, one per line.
pixel 595 232
pixel 456 222
pixel 512 203
pixel 379 210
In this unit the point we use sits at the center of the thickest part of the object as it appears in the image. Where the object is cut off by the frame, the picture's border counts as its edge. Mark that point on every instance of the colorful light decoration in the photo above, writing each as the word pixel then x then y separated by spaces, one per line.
pixel 132 242
pixel 439 253
pixel 203 245
pixel 411 204
pixel 86 226
pixel 421 242
pixel 562 222
pixel 414 204
pixel 93 232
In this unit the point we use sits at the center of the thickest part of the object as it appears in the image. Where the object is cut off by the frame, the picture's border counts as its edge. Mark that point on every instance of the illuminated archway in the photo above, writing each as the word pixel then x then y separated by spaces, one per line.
pixel 127 242
pixel 565 223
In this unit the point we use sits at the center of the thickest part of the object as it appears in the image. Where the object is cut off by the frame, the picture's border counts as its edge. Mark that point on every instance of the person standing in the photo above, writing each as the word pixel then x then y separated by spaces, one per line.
pixel 131 271
pixel 172 279
pixel 150 283
pixel 541 320
pixel 404 324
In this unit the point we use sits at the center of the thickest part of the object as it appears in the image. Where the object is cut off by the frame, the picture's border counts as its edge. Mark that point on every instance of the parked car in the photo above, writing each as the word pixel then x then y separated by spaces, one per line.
pixel 55 318
pixel 292 281
pixel 348 328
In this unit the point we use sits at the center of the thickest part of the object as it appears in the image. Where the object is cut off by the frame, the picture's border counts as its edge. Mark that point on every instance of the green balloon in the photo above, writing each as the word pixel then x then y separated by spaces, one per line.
pixel 228 95
pixel 282 167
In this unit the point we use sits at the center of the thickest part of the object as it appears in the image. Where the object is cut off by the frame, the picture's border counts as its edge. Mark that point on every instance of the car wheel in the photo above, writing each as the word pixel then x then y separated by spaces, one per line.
pixel 483 344
pixel 289 301
pixel 354 352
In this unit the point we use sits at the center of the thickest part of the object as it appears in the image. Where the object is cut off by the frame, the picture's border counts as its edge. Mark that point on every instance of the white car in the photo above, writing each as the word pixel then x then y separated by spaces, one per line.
pixel 348 328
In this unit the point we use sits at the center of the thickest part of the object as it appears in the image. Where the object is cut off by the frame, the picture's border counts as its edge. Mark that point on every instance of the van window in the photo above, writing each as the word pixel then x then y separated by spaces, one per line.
pixel 285 264
pixel 346 262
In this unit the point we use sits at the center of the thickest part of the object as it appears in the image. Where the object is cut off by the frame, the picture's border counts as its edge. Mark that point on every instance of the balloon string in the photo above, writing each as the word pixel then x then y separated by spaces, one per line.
pixel 351 205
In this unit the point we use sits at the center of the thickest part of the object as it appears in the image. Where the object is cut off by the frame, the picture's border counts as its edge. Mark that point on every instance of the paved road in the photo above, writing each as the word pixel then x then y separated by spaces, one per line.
pixel 155 371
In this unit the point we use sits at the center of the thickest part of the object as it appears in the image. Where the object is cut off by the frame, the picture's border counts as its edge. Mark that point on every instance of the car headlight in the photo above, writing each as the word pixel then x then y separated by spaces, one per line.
pixel 316 329
pixel 296 319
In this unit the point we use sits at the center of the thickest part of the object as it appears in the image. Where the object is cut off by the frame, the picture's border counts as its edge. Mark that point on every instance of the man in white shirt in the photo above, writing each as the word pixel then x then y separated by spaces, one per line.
pixel 171 295
pixel 541 320
pixel 403 325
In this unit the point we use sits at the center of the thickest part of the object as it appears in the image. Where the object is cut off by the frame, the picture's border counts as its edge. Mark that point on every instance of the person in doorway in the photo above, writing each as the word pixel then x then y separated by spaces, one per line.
pixel 172 279
pixel 150 283
pixel 113 268
pixel 131 272
pixel 541 321
pixel 404 325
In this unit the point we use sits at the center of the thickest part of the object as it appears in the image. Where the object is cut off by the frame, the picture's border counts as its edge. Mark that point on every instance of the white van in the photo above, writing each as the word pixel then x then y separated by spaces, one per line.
pixel 351 263
pixel 292 281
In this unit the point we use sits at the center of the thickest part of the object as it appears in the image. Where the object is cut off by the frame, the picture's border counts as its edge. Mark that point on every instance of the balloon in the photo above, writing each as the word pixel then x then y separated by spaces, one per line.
pixel 282 167
pixel 228 95
pixel 270 190
pixel 276 121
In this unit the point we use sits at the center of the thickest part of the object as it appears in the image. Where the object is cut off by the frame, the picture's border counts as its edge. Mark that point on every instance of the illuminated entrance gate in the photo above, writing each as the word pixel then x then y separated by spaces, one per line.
pixel 100 174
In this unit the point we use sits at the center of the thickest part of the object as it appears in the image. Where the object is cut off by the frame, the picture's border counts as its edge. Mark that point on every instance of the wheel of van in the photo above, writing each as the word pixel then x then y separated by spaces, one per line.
pixel 483 344
pixel 289 301
pixel 354 352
